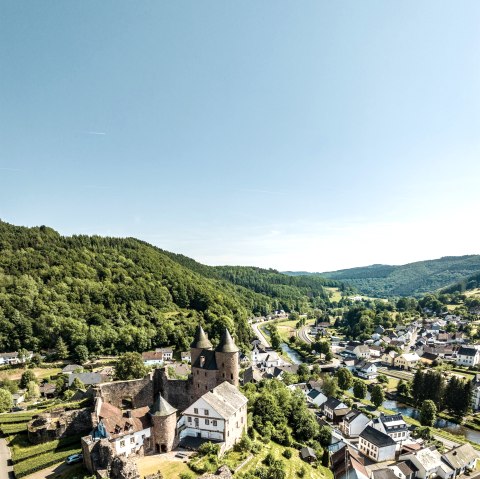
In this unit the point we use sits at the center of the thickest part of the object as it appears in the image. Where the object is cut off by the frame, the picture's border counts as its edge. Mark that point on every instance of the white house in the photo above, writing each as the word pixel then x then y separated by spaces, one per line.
pixel 366 369
pixel 185 356
pixel 461 459
pixel 388 358
pixel 476 393
pixel 468 356
pixel 316 397
pixel 376 445
pixel 392 425
pixel 354 423
pixel 335 410
pixel 166 352
pixel 406 361
pixel 428 462
pixel 362 351
pixel 15 358
pixel 219 415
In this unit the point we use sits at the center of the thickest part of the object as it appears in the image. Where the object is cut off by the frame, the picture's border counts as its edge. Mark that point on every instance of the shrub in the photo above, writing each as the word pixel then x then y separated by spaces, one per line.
pixel 287 454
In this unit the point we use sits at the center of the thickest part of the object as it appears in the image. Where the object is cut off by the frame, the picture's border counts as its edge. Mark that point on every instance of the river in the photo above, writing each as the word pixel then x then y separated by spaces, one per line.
pixel 291 353
pixel 440 423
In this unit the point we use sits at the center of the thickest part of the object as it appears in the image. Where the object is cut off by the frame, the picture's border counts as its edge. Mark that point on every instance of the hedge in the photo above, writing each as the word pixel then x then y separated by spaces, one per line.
pixel 42 461
pixel 15 418
pixel 13 428
pixel 21 453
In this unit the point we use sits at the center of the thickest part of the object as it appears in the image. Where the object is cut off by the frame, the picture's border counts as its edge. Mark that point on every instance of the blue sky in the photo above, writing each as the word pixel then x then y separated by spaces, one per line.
pixel 306 135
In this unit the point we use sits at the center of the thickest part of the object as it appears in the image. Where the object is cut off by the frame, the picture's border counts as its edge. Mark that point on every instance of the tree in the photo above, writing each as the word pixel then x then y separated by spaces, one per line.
pixel 359 389
pixel 330 386
pixel 27 377
pixel 303 372
pixel 344 378
pixel 9 385
pixel 428 413
pixel 81 354
pixel 130 366
pixel 61 349
pixel 77 384
pixel 403 388
pixel 378 396
pixel 33 391
pixel 6 400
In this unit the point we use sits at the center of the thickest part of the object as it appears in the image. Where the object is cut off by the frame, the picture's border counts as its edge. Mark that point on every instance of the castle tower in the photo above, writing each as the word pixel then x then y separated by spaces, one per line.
pixel 164 421
pixel 200 343
pixel 227 359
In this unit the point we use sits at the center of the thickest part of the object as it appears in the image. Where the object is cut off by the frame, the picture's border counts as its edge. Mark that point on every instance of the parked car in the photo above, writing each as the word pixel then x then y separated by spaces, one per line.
pixel 74 458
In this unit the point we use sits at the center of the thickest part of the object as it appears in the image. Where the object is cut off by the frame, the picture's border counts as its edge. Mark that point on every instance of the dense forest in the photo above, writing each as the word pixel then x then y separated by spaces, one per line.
pixel 413 279
pixel 466 284
pixel 113 295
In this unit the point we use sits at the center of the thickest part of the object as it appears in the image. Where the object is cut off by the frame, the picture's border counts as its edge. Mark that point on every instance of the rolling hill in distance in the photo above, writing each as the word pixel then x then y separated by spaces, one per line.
pixel 114 294
pixel 412 279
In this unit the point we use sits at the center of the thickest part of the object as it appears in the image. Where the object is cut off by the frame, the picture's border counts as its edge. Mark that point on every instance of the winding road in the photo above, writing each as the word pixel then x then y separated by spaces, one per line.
pixel 303 334
pixel 6 468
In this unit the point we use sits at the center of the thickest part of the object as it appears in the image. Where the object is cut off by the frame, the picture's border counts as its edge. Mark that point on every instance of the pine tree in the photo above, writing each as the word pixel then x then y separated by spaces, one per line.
pixel 61 349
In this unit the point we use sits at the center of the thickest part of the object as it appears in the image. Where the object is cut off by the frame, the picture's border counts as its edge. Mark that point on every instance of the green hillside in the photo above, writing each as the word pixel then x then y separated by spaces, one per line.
pixel 413 279
pixel 466 284
pixel 116 295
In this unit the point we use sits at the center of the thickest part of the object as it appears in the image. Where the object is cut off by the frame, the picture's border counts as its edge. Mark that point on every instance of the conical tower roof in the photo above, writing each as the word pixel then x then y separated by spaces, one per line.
pixel 201 341
pixel 161 407
pixel 227 344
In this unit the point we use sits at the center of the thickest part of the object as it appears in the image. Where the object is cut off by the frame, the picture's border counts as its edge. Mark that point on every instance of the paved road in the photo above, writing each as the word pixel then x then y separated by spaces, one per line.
pixel 6 470
pixel 303 334
pixel 396 373
pixel 259 334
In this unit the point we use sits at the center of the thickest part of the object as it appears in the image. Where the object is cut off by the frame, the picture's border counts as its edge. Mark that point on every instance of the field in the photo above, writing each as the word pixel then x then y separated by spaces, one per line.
pixel 334 294
pixel 292 465
pixel 168 466
pixel 16 373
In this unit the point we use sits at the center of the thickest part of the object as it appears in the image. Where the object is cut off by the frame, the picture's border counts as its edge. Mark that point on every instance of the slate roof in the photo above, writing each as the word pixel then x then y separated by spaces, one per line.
pixel 392 422
pixel 227 344
pixel 307 452
pixel 210 360
pixel 86 378
pixel 71 368
pixel 465 351
pixel 161 407
pixel 406 467
pixel 333 403
pixel 226 399
pixel 201 340
pixel 460 456
pixel 347 456
pixel 385 473
pixel 352 415
pixel 376 437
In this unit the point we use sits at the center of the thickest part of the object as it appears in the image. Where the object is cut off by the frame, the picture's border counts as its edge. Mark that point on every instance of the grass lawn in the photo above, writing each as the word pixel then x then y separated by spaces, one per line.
pixel 170 468
pixel 292 465
pixel 16 373
pixel 335 294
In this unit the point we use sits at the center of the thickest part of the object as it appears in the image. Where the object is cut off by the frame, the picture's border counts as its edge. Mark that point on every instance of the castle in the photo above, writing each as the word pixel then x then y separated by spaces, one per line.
pixel 140 416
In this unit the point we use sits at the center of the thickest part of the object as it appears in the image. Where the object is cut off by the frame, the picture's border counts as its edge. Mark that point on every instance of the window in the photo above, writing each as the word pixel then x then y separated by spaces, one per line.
pixel 214 422
pixel 132 440
pixel 206 412
pixel 122 443
pixel 195 410
pixel 189 419
pixel 207 422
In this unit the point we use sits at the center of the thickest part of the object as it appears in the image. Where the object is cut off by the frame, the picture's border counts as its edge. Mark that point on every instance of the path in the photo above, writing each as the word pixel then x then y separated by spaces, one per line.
pixel 52 471
pixel 6 469
pixel 258 333
pixel 303 334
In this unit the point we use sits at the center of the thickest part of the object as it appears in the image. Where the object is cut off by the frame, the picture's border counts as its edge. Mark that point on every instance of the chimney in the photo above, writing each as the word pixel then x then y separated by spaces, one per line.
pixel 202 361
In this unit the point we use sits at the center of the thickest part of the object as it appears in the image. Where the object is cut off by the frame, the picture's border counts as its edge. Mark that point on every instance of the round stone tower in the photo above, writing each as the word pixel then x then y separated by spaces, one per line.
pixel 200 343
pixel 227 358
pixel 164 425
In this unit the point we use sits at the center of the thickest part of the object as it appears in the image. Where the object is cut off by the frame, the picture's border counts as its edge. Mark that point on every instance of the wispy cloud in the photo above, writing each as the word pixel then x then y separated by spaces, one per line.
pixel 99 133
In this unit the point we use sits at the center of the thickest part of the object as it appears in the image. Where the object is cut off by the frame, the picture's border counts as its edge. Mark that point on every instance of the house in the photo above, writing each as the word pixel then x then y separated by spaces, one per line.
pixel 428 358
pixel 428 462
pixel 406 361
pixel 346 463
pixel 153 358
pixel 461 459
pixel 362 351
pixel 387 358
pixel 316 397
pixel 366 369
pixel 88 379
pixel 392 425
pixel 219 415
pixel 15 357
pixel 375 351
pixel 376 445
pixel 335 410
pixel 166 352
pixel 48 390
pixel 404 470
pixel 185 356
pixel 354 423
pixel 468 356
pixel 308 454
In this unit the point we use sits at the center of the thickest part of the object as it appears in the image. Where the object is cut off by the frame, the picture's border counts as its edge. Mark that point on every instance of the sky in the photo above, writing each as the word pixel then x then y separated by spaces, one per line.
pixel 298 135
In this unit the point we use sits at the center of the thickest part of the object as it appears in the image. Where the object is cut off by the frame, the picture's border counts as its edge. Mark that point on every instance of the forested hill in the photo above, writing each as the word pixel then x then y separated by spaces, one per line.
pixel 413 279
pixel 466 284
pixel 114 295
